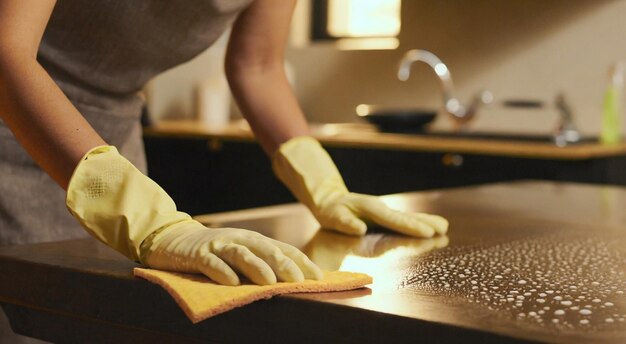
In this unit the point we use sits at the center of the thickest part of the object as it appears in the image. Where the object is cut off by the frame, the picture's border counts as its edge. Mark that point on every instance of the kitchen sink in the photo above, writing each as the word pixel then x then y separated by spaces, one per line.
pixel 332 129
pixel 539 138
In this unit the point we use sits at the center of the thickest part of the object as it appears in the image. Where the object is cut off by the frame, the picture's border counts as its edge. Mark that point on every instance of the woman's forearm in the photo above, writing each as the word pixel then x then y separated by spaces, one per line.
pixel 41 117
pixel 268 103
pixel 256 73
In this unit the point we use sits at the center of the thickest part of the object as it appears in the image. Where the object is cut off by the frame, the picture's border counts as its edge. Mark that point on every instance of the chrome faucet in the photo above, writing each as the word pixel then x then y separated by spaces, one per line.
pixel 566 131
pixel 460 114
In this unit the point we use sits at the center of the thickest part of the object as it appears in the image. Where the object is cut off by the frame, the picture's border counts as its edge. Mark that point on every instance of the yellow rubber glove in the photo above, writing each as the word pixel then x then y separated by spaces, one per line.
pixel 129 212
pixel 308 171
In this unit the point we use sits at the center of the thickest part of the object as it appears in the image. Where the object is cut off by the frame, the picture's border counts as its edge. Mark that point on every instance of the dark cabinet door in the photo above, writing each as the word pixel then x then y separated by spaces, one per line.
pixel 212 176
pixel 206 176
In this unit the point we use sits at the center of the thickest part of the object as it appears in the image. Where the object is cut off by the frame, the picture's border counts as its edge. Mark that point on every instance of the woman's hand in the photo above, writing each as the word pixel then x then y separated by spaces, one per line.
pixel 308 171
pixel 129 212
pixel 221 253
pixel 349 212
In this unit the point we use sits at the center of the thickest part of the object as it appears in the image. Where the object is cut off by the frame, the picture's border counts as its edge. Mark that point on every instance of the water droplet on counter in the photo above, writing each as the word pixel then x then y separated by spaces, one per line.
pixel 544 278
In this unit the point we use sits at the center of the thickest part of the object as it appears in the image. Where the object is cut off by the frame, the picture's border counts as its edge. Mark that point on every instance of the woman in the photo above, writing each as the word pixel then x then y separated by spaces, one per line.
pixel 69 77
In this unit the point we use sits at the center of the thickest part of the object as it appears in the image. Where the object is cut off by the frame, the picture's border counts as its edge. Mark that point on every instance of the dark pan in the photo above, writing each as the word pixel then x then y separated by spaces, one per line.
pixel 397 120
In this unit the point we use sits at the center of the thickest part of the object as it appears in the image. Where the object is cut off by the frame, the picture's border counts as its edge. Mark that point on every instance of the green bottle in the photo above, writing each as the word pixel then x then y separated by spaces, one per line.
pixel 612 106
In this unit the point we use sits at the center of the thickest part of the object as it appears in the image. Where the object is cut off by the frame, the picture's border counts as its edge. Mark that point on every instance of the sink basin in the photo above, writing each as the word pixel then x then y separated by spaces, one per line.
pixel 539 138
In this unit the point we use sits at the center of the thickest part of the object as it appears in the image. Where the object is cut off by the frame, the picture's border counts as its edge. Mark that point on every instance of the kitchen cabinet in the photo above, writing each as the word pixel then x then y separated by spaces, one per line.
pixel 208 171
pixel 204 176
pixel 555 249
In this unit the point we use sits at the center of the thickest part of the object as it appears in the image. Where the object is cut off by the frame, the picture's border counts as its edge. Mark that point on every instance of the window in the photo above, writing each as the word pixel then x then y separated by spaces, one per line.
pixel 357 24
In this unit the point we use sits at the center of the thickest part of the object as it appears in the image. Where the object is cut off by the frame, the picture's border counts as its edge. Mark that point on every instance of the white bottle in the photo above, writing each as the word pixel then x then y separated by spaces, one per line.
pixel 213 101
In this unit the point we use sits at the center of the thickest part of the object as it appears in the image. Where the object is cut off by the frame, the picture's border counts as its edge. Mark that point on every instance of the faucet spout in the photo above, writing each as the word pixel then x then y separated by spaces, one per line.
pixel 452 105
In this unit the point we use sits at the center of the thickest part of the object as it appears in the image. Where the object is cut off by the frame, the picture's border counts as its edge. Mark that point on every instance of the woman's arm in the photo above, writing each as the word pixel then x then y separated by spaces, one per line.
pixel 40 116
pixel 256 73
pixel 255 69
pixel 124 208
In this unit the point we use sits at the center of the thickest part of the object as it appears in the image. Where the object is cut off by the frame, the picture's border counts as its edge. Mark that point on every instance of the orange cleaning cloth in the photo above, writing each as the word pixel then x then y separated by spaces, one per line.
pixel 201 298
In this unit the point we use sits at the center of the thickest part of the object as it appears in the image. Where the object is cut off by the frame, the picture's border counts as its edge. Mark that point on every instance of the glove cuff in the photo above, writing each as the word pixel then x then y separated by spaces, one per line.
pixel 116 203
pixel 305 167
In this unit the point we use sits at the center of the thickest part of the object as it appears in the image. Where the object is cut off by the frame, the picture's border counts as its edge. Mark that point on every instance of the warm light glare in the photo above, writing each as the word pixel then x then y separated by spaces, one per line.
pixel 383 268
pixel 441 69
pixel 367 43
pixel 362 110
pixel 363 18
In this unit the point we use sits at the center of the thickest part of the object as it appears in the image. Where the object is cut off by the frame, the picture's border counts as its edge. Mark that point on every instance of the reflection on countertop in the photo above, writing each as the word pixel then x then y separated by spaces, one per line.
pixel 335 251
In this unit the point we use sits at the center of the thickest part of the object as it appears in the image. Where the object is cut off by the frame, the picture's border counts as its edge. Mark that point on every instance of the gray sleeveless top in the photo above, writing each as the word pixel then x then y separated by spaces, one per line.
pixel 101 53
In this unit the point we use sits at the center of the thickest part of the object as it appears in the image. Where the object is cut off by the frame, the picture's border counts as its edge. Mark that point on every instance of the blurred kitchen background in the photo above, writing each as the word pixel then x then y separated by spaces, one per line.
pixel 521 49
pixel 526 51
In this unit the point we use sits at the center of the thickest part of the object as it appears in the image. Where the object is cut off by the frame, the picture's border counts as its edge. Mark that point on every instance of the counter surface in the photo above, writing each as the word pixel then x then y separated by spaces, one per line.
pixel 363 136
pixel 523 261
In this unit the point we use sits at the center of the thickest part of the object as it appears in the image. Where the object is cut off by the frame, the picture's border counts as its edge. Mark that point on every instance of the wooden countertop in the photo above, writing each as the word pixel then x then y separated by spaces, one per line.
pixel 523 261
pixel 364 136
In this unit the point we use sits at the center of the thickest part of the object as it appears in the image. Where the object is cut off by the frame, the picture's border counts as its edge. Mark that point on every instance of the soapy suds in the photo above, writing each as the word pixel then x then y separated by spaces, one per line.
pixel 582 281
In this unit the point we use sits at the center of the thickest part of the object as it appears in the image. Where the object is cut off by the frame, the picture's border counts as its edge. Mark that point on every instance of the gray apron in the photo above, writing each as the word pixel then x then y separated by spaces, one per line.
pixel 100 53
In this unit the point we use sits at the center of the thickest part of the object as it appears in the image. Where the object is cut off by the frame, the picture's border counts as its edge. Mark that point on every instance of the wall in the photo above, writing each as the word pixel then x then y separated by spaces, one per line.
pixel 172 94
pixel 516 49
